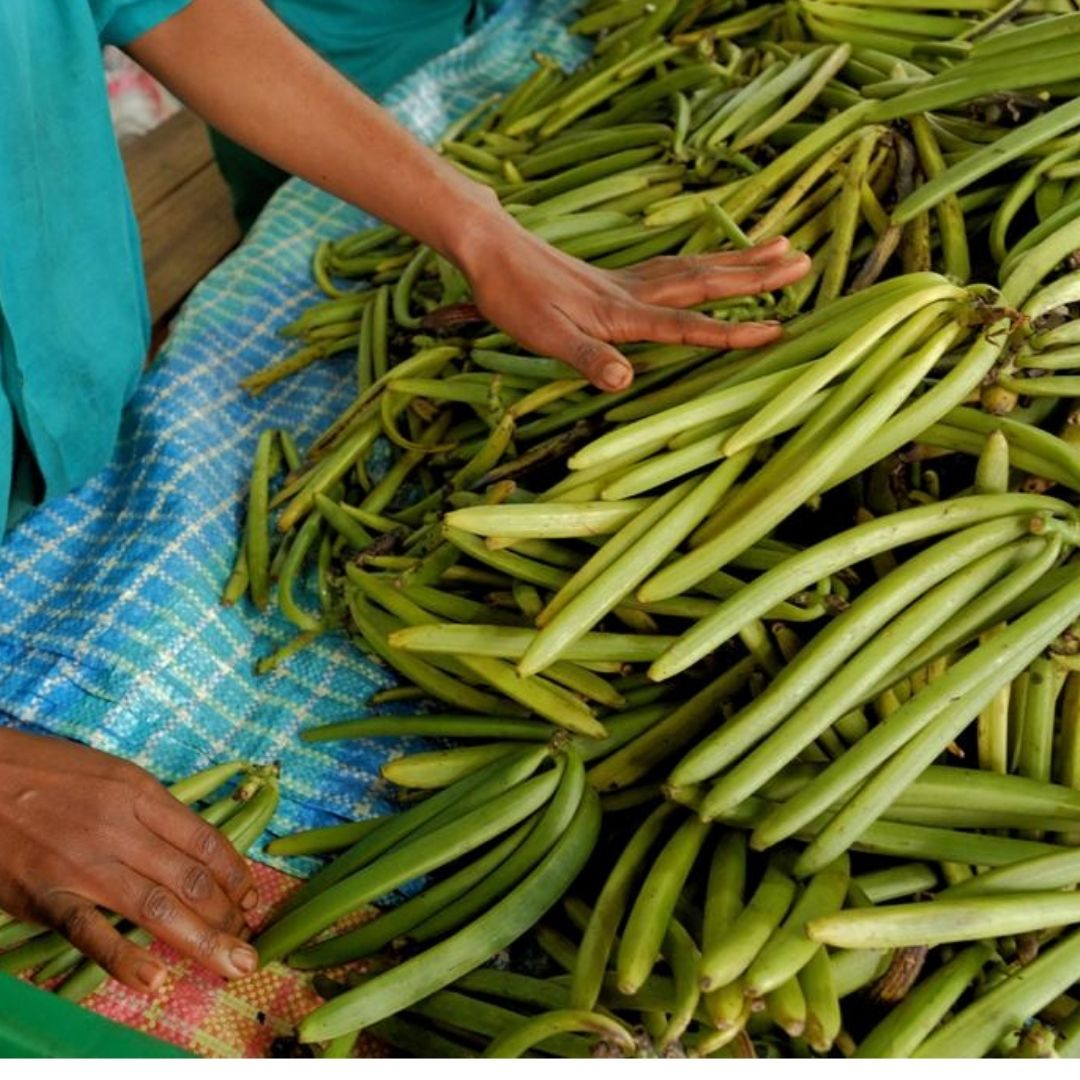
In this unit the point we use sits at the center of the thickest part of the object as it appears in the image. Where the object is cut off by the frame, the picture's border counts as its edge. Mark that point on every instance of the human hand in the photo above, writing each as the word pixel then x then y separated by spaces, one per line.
pixel 561 307
pixel 81 831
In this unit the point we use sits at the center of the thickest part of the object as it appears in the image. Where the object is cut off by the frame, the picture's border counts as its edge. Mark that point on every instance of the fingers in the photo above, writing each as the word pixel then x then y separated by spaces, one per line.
pixel 160 911
pixel 672 326
pixel 189 834
pixel 692 282
pixel 191 881
pixel 771 251
pixel 95 937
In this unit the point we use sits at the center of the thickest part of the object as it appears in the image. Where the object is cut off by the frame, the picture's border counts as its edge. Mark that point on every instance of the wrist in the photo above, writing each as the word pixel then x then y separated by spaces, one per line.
pixel 475 228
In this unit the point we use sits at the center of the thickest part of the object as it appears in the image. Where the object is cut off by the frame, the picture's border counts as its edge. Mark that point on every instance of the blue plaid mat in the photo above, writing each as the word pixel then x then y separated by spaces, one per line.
pixel 110 626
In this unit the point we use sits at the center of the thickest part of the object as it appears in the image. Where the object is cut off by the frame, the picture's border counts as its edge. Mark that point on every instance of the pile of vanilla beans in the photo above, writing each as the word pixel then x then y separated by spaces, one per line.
pixel 757 685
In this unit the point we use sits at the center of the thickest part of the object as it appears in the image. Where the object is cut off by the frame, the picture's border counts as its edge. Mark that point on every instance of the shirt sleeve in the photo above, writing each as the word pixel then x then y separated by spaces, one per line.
pixel 122 21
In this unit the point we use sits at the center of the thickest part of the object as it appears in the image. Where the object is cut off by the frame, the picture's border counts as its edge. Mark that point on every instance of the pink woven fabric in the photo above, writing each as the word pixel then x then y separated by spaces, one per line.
pixel 208 1016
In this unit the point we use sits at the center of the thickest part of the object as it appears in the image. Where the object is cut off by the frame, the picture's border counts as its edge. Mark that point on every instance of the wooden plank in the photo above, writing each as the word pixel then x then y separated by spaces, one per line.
pixel 162 160
pixel 184 236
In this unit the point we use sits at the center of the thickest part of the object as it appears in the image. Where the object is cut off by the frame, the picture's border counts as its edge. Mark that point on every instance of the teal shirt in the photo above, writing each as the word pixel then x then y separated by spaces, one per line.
pixel 74 325
pixel 376 42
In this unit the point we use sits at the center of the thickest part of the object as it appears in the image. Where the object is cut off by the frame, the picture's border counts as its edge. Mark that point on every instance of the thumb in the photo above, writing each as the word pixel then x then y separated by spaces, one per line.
pixel 602 364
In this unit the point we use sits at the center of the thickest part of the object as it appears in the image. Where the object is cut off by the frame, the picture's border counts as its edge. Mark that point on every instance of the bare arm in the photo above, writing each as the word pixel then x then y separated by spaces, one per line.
pixel 234 63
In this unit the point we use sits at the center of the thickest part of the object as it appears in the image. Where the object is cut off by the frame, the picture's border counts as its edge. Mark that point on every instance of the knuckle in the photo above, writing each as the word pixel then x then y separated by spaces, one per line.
pixel 659 264
pixel 208 843
pixel 132 776
pixel 112 955
pixel 196 884
pixel 204 945
pixel 237 876
pixel 683 323
pixel 622 326
pixel 157 905
pixel 75 921
pixel 139 789
pixel 586 355
pixel 765 278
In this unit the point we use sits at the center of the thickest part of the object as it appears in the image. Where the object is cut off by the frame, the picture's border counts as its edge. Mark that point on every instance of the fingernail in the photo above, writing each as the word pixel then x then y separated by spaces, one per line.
pixel 250 899
pixel 614 375
pixel 244 960
pixel 150 975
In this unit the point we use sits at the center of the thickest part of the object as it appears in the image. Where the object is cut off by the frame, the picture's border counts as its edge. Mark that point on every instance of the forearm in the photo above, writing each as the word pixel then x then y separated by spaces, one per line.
pixel 235 64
